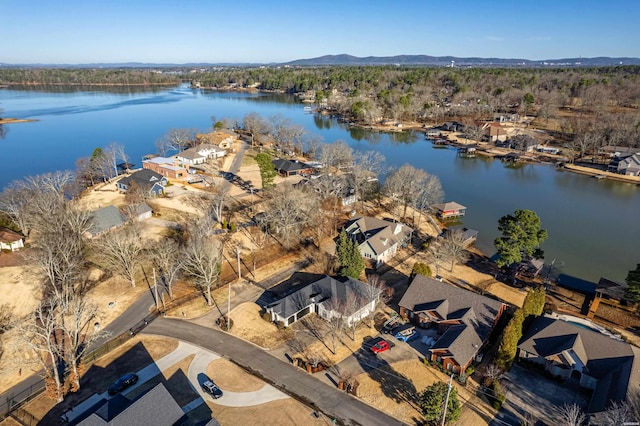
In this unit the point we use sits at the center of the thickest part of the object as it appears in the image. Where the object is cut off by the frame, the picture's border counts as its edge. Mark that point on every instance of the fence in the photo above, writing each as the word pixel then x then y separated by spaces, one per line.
pixel 12 405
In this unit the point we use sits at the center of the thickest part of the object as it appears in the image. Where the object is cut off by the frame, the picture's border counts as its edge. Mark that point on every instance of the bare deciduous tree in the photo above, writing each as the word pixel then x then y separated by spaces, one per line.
pixel 336 155
pixel 79 335
pixel 39 334
pixel 166 257
pixel 287 213
pixel 429 193
pixel 571 415
pixel 453 246
pixel 201 261
pixel 257 127
pixel 367 166
pixel 120 251
pixel 437 255
pixel 403 184
pixel 174 140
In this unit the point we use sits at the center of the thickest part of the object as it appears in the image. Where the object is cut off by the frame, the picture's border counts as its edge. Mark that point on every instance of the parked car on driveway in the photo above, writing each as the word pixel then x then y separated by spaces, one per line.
pixel 381 346
pixel 122 383
pixel 212 389
pixel 407 337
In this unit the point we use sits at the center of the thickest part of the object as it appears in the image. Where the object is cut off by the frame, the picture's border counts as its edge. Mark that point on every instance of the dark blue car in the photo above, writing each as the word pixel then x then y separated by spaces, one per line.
pixel 122 383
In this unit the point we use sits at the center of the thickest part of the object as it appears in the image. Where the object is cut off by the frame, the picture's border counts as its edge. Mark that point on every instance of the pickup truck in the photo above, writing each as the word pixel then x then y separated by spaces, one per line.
pixel 391 323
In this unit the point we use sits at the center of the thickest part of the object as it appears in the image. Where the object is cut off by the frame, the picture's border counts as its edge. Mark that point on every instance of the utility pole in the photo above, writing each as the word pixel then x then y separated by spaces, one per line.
pixel 446 401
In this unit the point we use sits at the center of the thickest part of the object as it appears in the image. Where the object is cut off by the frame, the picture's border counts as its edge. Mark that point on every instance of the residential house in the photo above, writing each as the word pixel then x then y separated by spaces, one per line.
pixel 345 298
pixel 463 319
pixel 170 168
pixel 221 138
pixel 379 240
pixel 104 219
pixel 155 407
pixel 191 157
pixel 139 212
pixel 210 150
pixel 581 355
pixel 630 166
pixel 450 210
pixel 496 131
pixel 10 240
pixel 146 180
pixel 291 167
pixel 524 143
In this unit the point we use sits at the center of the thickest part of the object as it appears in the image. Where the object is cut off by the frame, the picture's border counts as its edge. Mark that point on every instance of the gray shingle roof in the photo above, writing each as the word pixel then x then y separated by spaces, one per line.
pixel 289 165
pixel 154 408
pixel 377 233
pixel 106 218
pixel 608 360
pixel 322 290
pixel 190 154
pixel 477 314
pixel 145 178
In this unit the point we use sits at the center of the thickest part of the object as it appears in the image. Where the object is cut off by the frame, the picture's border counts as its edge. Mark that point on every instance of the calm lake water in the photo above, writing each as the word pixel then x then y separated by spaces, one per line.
pixel 593 225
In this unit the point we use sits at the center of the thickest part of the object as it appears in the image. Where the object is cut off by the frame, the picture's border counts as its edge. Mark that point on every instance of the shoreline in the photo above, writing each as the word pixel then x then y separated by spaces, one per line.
pixel 16 120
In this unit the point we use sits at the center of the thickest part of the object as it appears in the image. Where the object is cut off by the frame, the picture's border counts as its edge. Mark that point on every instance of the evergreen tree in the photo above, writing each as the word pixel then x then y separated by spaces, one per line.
pixel 420 268
pixel 432 403
pixel 267 170
pixel 350 260
pixel 534 302
pixel 521 237
pixel 511 335
pixel 633 285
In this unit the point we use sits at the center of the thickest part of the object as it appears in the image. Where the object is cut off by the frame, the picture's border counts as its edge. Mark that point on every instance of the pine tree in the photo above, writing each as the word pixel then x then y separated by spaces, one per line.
pixel 534 302
pixel 350 260
pixel 633 285
pixel 511 335
pixel 432 403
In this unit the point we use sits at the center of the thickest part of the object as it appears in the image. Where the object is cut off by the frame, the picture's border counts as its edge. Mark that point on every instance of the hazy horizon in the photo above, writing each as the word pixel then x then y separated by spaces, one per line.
pixel 77 32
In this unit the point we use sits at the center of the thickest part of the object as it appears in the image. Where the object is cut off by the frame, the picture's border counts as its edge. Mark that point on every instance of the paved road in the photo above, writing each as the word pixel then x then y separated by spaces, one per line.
pixel 129 318
pixel 327 399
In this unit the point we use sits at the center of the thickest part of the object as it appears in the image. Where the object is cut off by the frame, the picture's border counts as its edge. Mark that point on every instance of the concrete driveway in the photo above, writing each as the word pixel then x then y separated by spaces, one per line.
pixel 527 390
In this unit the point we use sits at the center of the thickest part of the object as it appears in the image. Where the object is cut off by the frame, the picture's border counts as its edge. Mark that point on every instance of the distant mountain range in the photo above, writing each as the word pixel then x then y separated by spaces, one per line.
pixel 344 59
pixel 460 62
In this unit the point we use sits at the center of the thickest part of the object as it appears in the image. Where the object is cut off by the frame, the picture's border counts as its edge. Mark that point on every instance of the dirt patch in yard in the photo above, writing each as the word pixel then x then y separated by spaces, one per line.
pixel 230 377
pixel 393 388
pixel 20 288
pixel 283 412
pixel 248 325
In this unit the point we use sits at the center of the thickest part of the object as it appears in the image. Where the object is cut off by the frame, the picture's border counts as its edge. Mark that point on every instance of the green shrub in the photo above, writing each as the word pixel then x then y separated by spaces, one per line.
pixel 232 227
pixel 469 371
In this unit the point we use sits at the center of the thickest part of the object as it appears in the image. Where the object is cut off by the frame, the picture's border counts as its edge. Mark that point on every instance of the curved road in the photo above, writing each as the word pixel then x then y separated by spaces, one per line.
pixel 289 379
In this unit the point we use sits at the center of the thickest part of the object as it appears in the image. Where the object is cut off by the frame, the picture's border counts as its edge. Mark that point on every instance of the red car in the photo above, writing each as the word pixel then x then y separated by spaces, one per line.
pixel 381 346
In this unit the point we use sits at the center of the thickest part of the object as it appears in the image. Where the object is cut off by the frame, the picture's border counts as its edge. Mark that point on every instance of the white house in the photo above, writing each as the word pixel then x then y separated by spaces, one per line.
pixel 210 151
pixel 191 157
pixel 328 297
pixel 378 239
pixel 10 240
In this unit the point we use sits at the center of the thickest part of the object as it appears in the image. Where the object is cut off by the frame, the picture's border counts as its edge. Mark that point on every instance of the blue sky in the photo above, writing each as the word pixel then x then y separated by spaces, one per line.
pixel 74 31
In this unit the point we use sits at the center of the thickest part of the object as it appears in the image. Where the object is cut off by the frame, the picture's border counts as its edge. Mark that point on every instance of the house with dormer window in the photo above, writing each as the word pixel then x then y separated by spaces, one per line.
pixel 463 319
pixel 378 240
